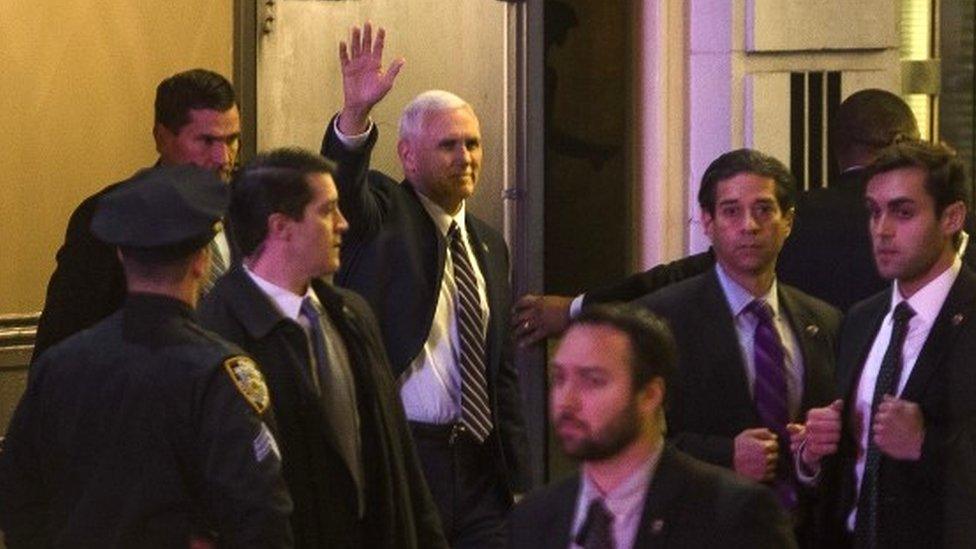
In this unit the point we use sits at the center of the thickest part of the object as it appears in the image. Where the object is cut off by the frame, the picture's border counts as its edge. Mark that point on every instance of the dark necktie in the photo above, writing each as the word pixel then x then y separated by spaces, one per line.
pixel 475 413
pixel 866 524
pixel 770 392
pixel 332 384
pixel 217 268
pixel 596 532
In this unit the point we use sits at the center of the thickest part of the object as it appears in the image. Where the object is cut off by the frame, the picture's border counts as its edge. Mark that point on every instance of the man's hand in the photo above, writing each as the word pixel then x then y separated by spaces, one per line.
pixel 798 435
pixel 364 83
pixel 822 433
pixel 899 428
pixel 536 317
pixel 755 454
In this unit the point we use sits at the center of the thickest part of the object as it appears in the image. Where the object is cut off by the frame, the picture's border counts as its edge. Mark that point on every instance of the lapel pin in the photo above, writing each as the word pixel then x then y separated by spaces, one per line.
pixel 484 247
pixel 957 319
pixel 657 526
pixel 812 330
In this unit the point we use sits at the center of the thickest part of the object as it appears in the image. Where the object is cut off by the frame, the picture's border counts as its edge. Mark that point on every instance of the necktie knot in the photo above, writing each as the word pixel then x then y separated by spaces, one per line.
pixel 903 313
pixel 761 310
pixel 596 532
pixel 309 309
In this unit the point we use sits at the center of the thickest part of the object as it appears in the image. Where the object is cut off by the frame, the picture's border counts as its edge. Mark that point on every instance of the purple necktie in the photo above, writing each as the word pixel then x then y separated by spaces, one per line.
pixel 769 391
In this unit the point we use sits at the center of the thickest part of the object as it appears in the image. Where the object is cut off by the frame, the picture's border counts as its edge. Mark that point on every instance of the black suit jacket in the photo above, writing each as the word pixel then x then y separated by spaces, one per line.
pixel 88 283
pixel 828 254
pixel 689 504
pixel 710 400
pixel 912 493
pixel 393 255
pixel 400 512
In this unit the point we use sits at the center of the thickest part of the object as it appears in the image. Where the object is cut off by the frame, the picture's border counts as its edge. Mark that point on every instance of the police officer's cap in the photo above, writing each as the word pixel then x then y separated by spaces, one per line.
pixel 163 212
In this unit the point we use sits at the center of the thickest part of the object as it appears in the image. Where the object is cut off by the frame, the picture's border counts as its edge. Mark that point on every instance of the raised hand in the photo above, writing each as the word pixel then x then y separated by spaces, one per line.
pixel 755 454
pixel 364 83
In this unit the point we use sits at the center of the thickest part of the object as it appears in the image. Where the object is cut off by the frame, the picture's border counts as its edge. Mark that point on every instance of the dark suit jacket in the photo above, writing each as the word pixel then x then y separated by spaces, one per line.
pixel 912 493
pixel 399 509
pixel 828 254
pixel 710 400
pixel 88 283
pixel 689 504
pixel 393 255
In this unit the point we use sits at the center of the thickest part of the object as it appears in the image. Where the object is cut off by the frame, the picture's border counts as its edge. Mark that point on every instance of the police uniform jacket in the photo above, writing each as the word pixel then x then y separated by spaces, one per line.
pixel 142 431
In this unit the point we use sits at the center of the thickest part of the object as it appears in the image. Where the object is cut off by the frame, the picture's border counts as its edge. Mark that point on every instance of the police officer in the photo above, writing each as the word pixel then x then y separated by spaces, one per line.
pixel 146 430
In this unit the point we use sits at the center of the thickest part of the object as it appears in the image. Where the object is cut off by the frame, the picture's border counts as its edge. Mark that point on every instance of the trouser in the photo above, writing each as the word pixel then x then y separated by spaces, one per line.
pixel 463 479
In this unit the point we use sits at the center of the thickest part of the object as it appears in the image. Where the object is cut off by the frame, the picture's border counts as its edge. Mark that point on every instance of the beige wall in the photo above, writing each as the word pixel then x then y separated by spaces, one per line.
pixel 78 80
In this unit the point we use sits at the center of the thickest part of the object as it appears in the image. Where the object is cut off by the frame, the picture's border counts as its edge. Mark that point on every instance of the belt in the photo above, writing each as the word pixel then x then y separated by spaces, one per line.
pixel 447 432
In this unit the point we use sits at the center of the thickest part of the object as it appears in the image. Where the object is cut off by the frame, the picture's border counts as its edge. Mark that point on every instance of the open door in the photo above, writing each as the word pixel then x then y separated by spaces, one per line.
pixel 482 50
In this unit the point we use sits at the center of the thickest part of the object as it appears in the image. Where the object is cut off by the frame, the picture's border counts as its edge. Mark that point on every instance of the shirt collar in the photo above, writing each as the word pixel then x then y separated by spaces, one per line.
pixel 927 302
pixel 739 298
pixel 289 304
pixel 626 494
pixel 441 218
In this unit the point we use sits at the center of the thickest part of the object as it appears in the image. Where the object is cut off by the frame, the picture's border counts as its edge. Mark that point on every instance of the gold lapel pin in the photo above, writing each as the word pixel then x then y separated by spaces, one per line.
pixel 812 330
pixel 957 319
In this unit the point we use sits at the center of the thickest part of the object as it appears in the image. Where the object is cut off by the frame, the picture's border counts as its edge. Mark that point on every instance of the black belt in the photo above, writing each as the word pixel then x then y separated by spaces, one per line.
pixel 450 433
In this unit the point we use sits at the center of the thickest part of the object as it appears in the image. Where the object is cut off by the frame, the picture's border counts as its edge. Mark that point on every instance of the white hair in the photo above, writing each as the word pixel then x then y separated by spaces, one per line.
pixel 414 114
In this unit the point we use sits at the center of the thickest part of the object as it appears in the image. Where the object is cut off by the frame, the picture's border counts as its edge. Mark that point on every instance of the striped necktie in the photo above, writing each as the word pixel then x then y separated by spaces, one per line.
pixel 217 268
pixel 475 413
pixel 770 392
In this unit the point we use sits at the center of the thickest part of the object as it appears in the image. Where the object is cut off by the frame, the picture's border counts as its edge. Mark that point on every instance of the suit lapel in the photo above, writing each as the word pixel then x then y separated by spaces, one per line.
pixel 560 519
pixel 953 314
pixel 806 328
pixel 666 485
pixel 722 353
pixel 482 254
pixel 850 362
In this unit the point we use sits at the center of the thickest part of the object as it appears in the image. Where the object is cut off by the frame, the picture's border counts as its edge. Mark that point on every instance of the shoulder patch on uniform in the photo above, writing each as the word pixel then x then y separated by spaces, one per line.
pixel 249 381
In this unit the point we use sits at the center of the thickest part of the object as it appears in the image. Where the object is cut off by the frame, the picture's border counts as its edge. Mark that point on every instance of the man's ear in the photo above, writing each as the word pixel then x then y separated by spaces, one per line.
pixel 163 137
pixel 200 264
pixel 406 154
pixel 650 398
pixel 279 226
pixel 953 218
pixel 707 221
pixel 789 216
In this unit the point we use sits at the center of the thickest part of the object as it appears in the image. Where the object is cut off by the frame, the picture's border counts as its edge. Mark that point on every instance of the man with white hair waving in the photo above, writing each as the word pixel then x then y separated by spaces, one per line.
pixel 437 279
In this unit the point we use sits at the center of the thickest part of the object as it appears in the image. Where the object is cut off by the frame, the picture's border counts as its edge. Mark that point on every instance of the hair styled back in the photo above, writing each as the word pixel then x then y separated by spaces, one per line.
pixel 196 89
pixel 274 182
pixel 751 161
pixel 415 113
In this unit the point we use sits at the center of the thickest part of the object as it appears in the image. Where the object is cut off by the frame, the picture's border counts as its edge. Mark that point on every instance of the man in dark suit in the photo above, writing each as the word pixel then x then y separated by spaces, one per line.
pixel 753 353
pixel 828 254
pixel 146 430
pixel 437 279
pixel 608 392
pixel 905 365
pixel 196 122
pixel 347 454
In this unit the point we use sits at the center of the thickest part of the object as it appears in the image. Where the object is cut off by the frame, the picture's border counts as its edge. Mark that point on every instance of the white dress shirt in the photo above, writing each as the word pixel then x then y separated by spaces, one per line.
pixel 738 299
pixel 926 302
pixel 625 503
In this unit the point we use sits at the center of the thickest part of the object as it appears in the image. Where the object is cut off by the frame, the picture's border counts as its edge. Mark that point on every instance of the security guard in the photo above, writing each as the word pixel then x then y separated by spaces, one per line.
pixel 146 430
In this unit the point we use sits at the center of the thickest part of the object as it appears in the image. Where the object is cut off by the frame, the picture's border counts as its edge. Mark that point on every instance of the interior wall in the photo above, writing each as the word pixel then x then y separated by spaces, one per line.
pixel 76 108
